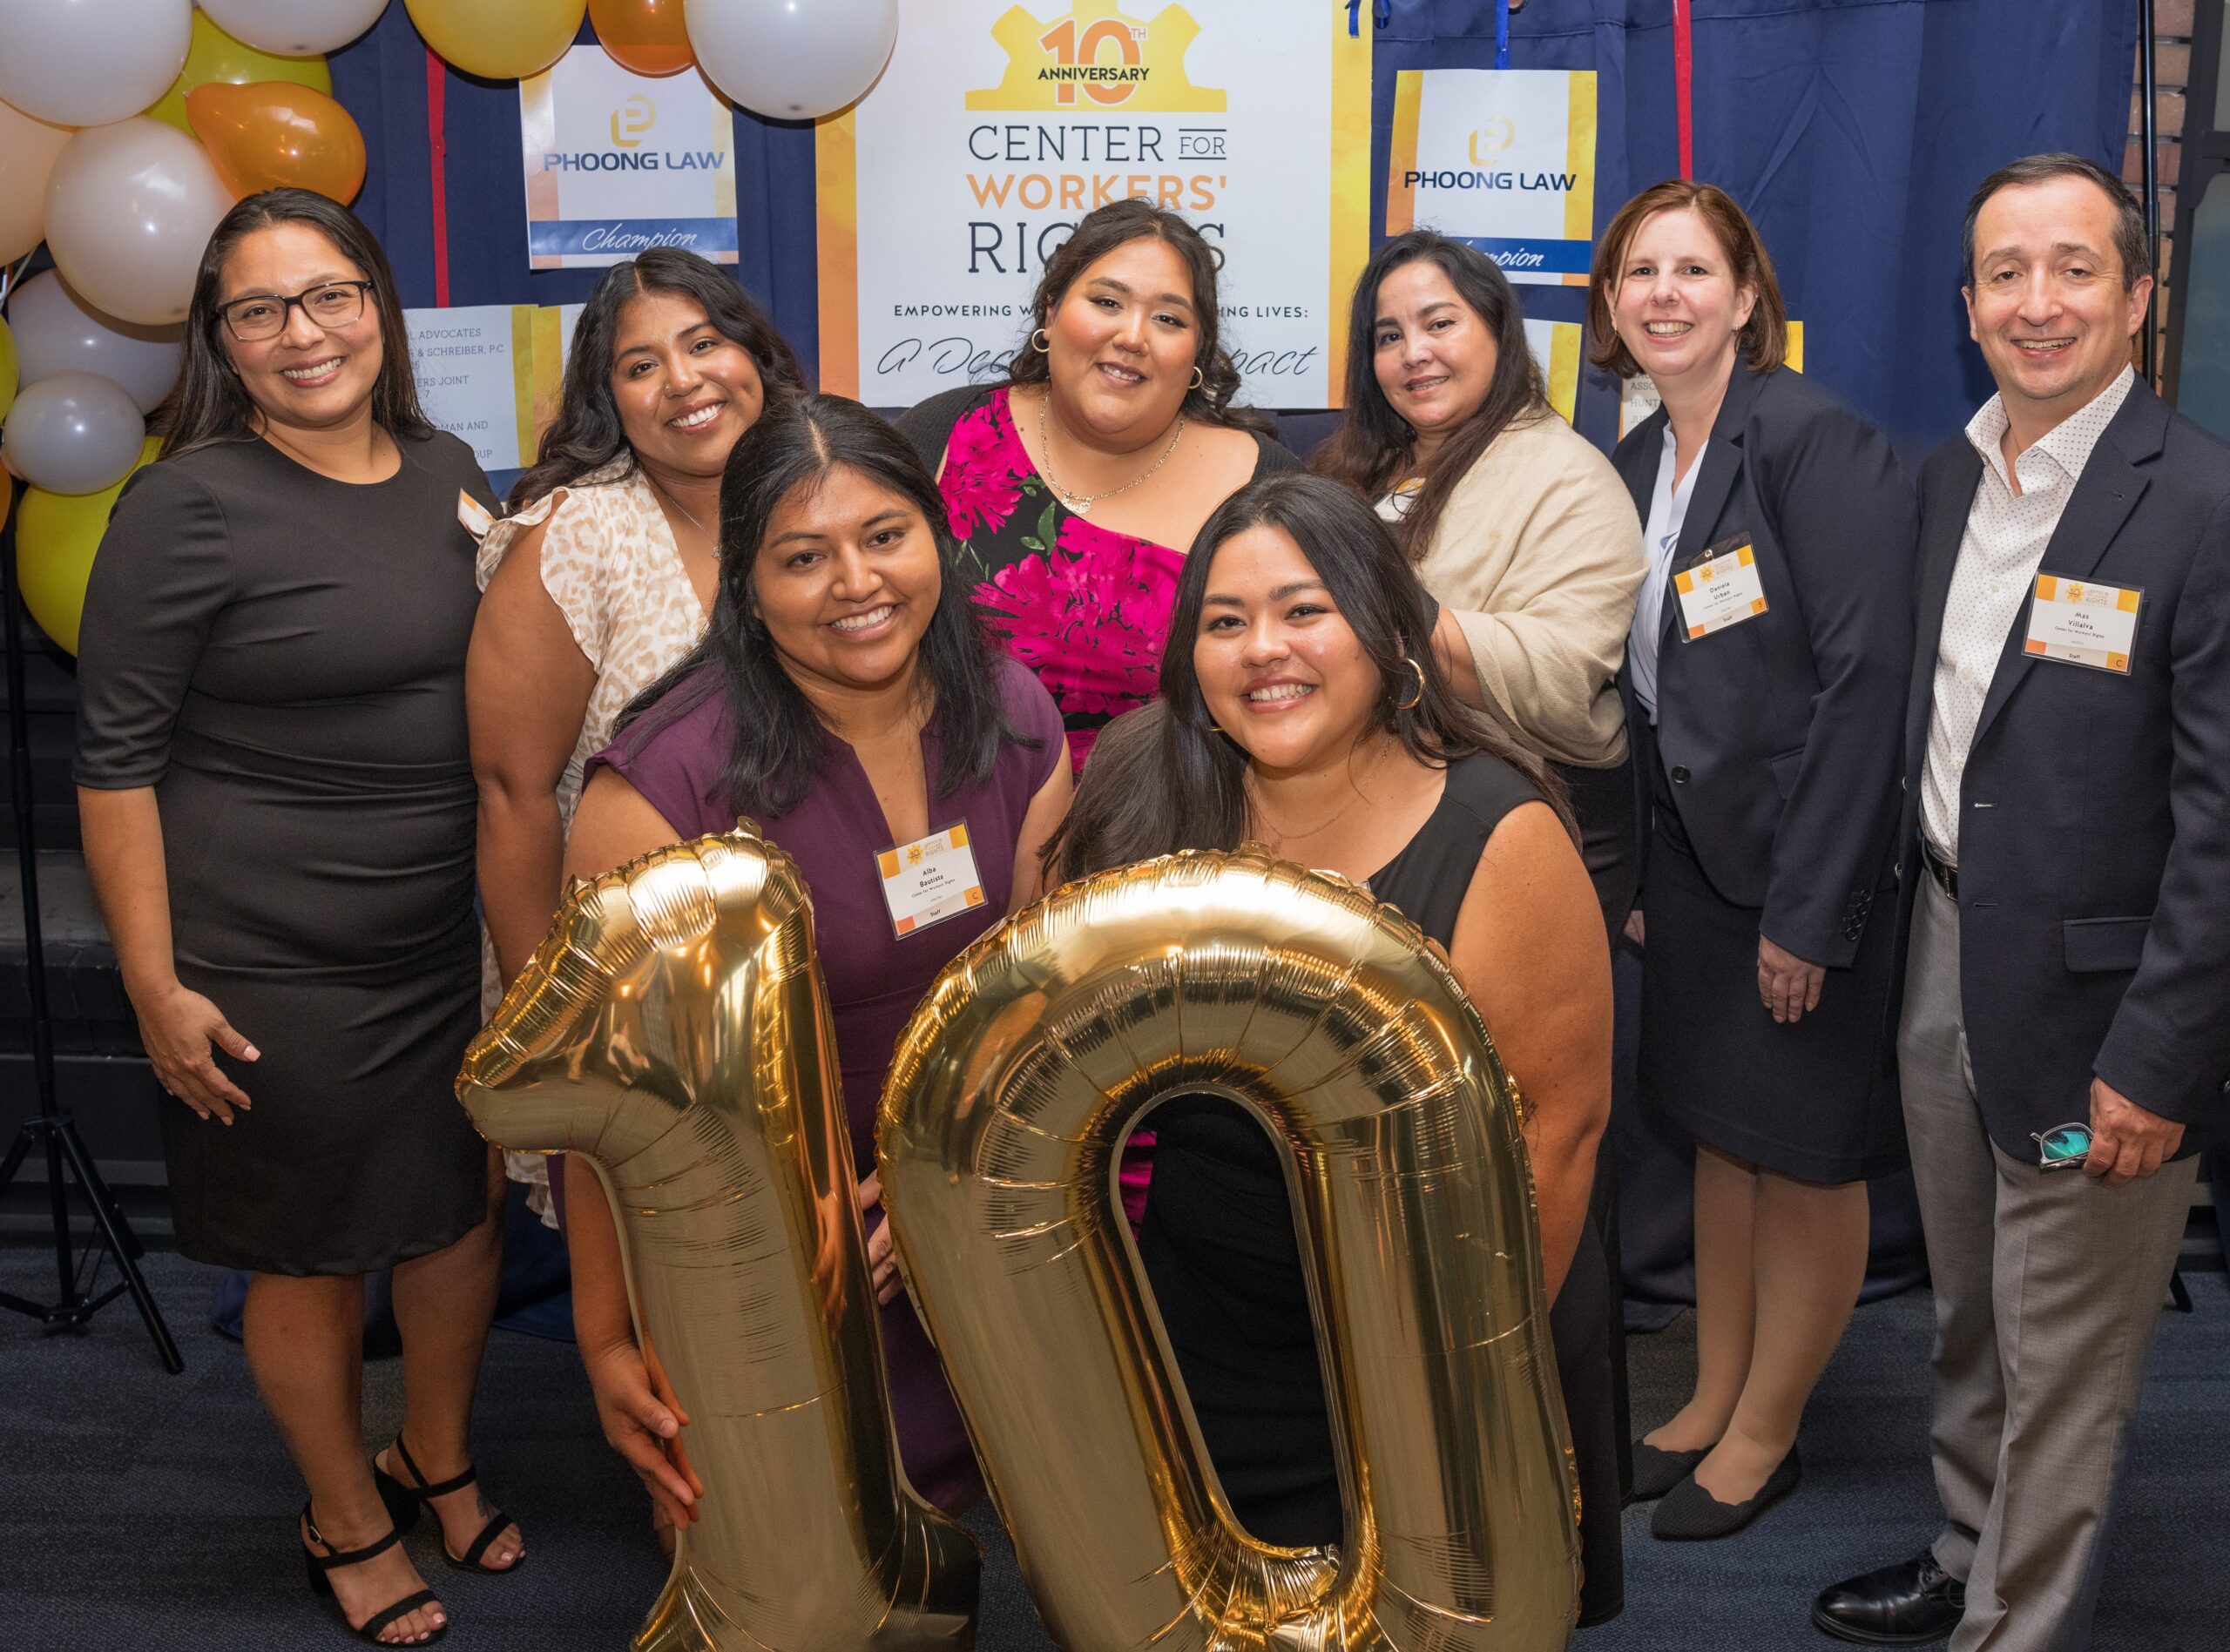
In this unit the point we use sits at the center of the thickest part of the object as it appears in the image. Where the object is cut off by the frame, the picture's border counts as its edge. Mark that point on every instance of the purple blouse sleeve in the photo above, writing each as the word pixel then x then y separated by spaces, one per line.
pixel 675 759
pixel 1030 711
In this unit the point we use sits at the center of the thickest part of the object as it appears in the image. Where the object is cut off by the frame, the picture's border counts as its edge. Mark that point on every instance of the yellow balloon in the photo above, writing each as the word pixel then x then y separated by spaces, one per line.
pixel 216 56
pixel 498 39
pixel 56 536
pixel 7 368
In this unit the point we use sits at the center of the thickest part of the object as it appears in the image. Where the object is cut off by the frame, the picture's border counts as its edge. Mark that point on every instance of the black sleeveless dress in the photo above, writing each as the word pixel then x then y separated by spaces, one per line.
pixel 1222 1254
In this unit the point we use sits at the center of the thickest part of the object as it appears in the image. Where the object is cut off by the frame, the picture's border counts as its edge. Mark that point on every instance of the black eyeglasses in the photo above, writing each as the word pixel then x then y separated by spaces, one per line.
pixel 330 304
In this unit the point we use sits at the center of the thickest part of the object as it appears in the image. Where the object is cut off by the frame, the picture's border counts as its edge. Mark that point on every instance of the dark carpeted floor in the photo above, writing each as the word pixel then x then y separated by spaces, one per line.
pixel 139 1510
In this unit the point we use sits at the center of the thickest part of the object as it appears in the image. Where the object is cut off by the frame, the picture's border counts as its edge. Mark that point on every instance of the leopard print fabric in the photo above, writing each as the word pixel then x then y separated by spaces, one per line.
pixel 610 562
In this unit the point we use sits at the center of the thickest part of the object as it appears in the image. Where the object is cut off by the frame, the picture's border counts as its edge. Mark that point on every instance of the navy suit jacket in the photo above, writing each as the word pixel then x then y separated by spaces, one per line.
pixel 2094 812
pixel 1780 733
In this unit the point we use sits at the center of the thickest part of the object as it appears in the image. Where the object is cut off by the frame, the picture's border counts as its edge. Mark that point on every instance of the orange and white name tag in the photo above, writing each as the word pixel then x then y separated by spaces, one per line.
pixel 473 515
pixel 930 879
pixel 1719 589
pixel 2083 623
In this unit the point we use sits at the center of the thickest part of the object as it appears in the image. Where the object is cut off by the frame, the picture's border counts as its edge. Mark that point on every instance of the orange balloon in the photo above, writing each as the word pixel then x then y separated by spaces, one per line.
pixel 647 35
pixel 269 134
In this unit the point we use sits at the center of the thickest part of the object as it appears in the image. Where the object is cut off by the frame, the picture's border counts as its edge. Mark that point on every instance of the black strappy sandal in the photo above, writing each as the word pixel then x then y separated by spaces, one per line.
pixel 403 1501
pixel 333 1559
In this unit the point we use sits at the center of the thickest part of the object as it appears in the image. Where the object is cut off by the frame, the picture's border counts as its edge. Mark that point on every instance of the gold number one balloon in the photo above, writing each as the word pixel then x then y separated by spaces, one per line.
pixel 674 1030
pixel 1329 1018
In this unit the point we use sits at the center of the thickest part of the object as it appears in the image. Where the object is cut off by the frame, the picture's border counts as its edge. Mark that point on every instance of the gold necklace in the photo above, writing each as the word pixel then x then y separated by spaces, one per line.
pixel 1081 503
pixel 663 492
pixel 1283 837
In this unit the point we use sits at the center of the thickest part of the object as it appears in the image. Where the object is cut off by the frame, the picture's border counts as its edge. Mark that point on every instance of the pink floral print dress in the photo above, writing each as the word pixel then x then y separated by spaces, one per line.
pixel 1085 608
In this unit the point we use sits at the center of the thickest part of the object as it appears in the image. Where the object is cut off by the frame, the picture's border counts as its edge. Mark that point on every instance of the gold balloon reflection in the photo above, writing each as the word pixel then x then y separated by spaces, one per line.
pixel 1332 1019
pixel 674 1030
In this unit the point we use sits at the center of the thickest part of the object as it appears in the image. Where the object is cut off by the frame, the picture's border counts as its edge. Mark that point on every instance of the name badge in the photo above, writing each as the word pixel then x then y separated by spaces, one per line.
pixel 1720 588
pixel 2083 623
pixel 930 879
pixel 473 515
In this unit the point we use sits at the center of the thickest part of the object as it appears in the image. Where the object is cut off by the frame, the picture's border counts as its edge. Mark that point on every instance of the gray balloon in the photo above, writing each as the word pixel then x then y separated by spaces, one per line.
pixel 72 432
pixel 58 331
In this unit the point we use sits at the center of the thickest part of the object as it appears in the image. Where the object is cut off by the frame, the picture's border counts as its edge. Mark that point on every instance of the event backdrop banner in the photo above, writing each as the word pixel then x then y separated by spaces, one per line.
pixel 1554 348
pixel 487 373
pixel 1503 159
pixel 617 162
pixel 997 126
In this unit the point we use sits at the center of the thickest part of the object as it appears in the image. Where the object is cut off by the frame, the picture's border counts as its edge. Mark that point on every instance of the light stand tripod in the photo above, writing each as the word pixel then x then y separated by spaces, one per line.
pixel 54 1129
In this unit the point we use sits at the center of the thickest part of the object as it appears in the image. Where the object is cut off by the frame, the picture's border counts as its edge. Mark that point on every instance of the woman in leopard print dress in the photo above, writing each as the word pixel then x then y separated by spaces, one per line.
pixel 602 575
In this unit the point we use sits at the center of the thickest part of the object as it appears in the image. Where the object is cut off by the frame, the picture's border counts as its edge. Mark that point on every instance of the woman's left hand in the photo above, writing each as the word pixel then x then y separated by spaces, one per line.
pixel 882 1266
pixel 1788 985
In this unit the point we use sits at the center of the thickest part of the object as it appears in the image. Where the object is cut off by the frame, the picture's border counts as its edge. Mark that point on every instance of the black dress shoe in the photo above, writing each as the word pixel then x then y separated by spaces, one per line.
pixel 1691 1514
pixel 1909 1604
pixel 1657 1471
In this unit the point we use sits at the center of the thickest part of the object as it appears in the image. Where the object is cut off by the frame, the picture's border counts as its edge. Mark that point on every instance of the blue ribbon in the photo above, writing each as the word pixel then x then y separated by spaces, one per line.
pixel 1502 34
pixel 1381 13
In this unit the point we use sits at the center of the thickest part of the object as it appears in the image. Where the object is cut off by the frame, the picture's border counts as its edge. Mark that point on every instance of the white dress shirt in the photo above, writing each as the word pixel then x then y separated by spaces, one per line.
pixel 2005 542
pixel 1668 509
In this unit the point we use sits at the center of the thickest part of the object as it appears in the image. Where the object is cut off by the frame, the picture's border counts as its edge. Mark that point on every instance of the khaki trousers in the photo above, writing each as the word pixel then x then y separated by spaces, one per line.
pixel 2047 1290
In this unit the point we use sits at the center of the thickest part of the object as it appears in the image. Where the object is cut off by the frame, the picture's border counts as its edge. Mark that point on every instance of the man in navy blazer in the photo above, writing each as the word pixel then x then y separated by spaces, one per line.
pixel 2065 891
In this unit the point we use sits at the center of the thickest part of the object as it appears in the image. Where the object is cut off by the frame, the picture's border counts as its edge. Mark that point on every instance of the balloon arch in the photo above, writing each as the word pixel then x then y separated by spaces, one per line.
pixel 128 128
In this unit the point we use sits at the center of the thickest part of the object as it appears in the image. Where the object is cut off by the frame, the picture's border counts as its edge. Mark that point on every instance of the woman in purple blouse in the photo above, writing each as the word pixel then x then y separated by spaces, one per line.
pixel 845 699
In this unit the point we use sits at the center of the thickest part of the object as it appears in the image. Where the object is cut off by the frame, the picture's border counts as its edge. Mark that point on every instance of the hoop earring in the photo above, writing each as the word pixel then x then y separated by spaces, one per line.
pixel 1038 342
pixel 1199 379
pixel 1411 704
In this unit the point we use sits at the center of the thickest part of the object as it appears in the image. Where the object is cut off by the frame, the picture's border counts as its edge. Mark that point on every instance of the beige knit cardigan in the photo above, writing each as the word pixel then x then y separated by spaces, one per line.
pixel 1539 556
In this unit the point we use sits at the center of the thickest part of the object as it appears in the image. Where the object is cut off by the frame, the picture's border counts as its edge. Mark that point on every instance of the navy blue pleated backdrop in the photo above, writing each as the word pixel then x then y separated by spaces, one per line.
pixel 1852 129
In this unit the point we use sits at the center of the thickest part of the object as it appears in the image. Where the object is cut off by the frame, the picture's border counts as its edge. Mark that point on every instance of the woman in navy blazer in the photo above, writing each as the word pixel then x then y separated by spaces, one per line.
pixel 1765 682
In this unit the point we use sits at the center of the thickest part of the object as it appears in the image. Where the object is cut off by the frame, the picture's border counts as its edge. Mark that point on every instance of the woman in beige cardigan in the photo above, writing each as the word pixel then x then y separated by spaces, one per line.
pixel 1517 527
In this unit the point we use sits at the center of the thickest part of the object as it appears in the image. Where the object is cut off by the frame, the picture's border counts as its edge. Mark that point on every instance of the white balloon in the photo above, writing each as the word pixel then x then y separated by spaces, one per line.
pixel 84 63
pixel 792 59
pixel 57 332
pixel 73 433
pixel 128 210
pixel 294 27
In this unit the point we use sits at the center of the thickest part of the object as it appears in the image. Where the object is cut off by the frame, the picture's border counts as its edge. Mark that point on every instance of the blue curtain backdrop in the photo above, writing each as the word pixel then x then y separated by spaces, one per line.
pixel 1852 129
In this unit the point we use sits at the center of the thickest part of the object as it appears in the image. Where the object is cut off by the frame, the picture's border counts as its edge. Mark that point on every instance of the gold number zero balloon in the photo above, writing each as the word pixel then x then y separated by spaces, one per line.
pixel 674 1030
pixel 1330 1019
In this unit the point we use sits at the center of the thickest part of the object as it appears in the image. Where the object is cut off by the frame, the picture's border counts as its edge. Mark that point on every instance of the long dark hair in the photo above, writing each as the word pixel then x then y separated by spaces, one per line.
pixel 1373 443
pixel 211 404
pixel 779 743
pixel 1165 778
pixel 586 434
pixel 1100 233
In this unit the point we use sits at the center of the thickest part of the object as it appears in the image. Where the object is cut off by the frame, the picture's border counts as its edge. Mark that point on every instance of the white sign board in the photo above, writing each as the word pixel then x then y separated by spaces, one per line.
pixel 618 162
pixel 997 126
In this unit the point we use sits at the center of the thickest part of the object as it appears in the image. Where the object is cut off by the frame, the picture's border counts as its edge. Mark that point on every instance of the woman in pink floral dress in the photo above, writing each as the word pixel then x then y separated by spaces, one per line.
pixel 1074 486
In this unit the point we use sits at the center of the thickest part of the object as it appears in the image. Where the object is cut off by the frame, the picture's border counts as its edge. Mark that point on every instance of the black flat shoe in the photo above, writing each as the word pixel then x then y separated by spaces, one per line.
pixel 1907 1604
pixel 1691 1514
pixel 317 1565
pixel 1658 1471
pixel 403 1498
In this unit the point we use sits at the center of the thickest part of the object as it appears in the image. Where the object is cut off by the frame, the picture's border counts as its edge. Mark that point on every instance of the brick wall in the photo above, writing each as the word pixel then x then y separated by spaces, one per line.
pixel 2171 24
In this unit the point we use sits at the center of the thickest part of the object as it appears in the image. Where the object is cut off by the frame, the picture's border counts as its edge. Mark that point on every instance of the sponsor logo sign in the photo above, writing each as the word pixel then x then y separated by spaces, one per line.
pixel 1503 159
pixel 618 162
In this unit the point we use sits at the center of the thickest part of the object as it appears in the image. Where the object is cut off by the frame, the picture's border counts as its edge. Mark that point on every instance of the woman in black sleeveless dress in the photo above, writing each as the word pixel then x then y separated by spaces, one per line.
pixel 1296 714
